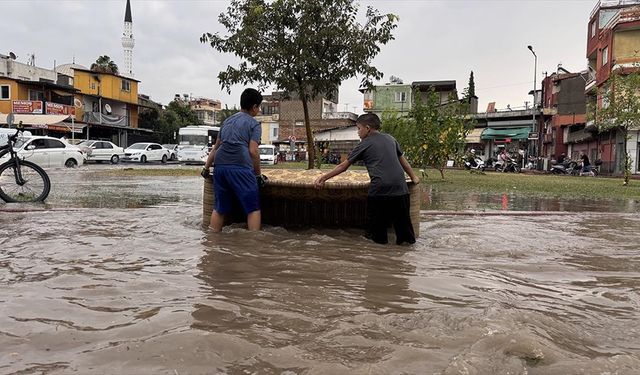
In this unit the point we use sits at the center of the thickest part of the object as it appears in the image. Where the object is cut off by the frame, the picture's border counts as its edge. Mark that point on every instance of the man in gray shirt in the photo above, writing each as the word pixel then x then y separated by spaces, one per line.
pixel 388 199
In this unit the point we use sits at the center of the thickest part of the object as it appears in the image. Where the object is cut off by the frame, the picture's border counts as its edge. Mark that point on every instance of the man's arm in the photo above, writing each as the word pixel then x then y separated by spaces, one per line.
pixel 212 154
pixel 319 183
pixel 255 157
pixel 407 168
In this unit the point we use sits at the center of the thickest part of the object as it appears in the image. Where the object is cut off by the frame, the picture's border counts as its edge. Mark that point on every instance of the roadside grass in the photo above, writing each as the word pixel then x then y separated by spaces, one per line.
pixel 463 182
pixel 533 185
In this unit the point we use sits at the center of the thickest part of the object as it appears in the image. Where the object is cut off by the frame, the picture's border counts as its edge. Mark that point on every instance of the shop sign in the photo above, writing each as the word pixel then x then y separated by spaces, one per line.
pixel 60 109
pixel 26 106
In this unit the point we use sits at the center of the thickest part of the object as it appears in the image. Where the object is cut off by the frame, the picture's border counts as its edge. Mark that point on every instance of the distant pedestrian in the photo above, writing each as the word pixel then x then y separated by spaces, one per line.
pixel 388 199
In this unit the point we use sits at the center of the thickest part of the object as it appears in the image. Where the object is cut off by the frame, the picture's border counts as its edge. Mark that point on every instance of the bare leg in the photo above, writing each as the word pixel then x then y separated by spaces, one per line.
pixel 217 221
pixel 253 220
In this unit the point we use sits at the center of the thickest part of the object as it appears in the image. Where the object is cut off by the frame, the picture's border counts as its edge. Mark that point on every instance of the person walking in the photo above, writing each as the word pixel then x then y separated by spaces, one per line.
pixel 388 197
pixel 236 160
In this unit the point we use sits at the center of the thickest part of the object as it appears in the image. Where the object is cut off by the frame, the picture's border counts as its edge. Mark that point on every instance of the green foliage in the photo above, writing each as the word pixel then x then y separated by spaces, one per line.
pixel 622 110
pixel 470 90
pixel 104 64
pixel 166 123
pixel 300 46
pixel 432 133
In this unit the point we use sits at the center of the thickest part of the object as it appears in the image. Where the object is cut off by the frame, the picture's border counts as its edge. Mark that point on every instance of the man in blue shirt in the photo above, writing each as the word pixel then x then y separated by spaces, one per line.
pixel 236 162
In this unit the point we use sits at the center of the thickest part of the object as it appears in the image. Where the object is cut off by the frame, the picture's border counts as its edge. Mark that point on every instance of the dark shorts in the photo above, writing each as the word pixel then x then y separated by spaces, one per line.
pixel 384 211
pixel 231 182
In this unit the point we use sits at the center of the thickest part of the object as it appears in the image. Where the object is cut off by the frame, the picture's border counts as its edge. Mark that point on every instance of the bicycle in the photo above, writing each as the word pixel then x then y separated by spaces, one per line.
pixel 21 180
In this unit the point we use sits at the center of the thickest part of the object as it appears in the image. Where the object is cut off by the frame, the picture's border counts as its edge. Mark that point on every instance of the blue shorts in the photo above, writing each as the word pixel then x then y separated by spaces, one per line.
pixel 233 182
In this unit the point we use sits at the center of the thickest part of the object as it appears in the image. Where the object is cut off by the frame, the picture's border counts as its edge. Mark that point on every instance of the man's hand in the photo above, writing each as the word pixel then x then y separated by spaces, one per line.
pixel 319 183
pixel 261 180
pixel 205 173
pixel 415 180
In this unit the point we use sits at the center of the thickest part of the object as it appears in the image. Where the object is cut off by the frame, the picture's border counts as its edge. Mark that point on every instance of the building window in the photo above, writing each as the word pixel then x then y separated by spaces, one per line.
pixel 401 97
pixel 593 29
pixel 36 95
pixel 605 56
pixel 126 85
pixel 5 92
pixel 274 132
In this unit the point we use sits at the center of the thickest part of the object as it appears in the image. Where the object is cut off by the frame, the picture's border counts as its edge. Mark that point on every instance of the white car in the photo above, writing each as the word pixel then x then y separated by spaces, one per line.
pixel 102 151
pixel 173 150
pixel 144 152
pixel 48 152
pixel 193 154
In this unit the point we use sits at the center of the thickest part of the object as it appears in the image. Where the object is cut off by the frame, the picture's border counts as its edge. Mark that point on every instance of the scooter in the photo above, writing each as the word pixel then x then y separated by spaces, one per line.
pixel 568 167
pixel 478 167
pixel 509 166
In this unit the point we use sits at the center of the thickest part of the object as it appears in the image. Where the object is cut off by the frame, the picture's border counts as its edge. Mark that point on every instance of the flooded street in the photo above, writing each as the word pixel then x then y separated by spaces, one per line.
pixel 117 276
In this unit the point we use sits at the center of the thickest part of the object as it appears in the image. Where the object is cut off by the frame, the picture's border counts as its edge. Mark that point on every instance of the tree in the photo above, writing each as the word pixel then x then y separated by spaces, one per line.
pixel 300 46
pixel 431 133
pixel 469 91
pixel 621 110
pixel 104 64
pixel 185 115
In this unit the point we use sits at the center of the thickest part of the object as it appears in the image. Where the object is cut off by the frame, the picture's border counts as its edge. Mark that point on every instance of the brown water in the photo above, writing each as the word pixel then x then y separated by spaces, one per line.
pixel 130 283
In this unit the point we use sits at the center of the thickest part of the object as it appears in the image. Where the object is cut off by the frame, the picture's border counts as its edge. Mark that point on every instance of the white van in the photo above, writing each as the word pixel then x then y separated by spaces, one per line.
pixel 268 154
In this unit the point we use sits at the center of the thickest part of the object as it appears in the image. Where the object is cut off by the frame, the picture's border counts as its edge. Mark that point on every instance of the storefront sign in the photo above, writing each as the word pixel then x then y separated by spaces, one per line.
pixel 533 135
pixel 26 106
pixel 60 109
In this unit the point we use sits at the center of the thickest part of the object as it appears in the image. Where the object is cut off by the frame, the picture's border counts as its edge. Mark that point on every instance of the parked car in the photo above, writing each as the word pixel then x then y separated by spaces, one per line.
pixel 48 152
pixel 101 151
pixel 173 150
pixel 144 152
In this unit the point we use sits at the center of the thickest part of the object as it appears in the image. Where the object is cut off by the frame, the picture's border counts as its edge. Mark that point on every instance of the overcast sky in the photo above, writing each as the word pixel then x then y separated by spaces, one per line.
pixel 435 40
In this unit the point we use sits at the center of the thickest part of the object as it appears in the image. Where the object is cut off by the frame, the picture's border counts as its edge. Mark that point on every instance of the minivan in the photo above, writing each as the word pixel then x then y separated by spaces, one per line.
pixel 268 154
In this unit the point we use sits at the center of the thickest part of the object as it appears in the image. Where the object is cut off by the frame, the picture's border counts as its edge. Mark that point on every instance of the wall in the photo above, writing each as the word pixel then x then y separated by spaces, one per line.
pixel 626 45
pixel 5 105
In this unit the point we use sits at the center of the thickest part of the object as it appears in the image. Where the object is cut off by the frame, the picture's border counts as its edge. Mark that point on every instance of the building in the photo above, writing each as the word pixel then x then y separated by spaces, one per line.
pixel 613 43
pixel 564 112
pixel 128 42
pixel 396 96
pixel 206 109
pixel 323 114
pixel 39 100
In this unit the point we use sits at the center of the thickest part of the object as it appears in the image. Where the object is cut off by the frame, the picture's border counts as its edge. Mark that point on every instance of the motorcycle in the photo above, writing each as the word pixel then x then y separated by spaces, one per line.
pixel 509 166
pixel 479 164
pixel 568 167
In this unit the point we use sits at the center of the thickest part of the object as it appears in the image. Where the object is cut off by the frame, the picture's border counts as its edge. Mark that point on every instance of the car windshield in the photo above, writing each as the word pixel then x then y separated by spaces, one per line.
pixel 19 143
pixel 169 146
pixel 138 146
pixel 266 151
pixel 85 143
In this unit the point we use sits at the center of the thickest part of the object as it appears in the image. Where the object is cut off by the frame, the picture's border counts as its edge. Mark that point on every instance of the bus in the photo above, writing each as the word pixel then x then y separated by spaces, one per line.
pixel 195 141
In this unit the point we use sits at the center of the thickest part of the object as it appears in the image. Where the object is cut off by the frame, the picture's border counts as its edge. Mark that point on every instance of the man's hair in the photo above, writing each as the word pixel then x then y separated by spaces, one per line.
pixel 369 119
pixel 249 98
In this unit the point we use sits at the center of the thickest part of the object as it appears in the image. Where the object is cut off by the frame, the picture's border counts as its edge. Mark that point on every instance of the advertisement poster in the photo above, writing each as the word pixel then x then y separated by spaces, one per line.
pixel 26 106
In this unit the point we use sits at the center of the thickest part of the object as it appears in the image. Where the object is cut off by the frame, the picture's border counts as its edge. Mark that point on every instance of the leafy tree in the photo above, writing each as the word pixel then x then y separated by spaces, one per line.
pixel 470 91
pixel 621 110
pixel 104 64
pixel 186 116
pixel 431 133
pixel 301 46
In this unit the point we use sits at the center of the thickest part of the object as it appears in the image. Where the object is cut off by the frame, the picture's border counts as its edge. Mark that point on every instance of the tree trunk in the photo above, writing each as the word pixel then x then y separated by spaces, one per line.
pixel 627 160
pixel 441 169
pixel 307 124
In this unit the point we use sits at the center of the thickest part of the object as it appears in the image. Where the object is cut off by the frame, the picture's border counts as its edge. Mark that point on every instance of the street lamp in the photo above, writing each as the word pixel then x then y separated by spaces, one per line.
pixel 535 67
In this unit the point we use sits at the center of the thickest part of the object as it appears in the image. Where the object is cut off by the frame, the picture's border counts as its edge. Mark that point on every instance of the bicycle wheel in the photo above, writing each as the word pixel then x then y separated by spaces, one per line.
pixel 36 183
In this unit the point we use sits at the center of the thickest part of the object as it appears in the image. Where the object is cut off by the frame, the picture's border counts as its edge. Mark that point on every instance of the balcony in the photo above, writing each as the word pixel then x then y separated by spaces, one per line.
pixel 339 115
pixel 578 136
pixel 101 118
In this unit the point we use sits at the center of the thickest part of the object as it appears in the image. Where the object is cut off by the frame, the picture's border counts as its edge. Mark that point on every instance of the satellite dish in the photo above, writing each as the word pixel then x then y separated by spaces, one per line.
pixel 107 108
pixel 77 103
pixel 12 56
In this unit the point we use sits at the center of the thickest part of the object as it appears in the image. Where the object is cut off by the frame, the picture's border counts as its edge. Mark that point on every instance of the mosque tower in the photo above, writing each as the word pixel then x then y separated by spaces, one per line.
pixel 128 42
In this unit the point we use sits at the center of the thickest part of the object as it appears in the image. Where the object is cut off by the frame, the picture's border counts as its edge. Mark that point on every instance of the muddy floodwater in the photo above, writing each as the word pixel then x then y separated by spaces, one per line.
pixel 117 276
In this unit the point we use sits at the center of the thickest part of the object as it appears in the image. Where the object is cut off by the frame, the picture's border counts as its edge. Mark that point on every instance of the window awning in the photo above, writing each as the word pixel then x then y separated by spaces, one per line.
pixel 34 120
pixel 513 133
pixel 474 135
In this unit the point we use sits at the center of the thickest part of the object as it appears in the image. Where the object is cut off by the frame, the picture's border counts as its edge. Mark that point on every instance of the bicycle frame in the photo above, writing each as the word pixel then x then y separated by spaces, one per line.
pixel 8 149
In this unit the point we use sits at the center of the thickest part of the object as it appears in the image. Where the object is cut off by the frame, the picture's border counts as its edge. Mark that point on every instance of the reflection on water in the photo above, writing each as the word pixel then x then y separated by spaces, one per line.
pixel 149 291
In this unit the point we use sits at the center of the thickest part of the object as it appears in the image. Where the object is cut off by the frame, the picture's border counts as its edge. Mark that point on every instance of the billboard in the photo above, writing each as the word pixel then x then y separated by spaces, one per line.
pixel 26 106
pixel 60 109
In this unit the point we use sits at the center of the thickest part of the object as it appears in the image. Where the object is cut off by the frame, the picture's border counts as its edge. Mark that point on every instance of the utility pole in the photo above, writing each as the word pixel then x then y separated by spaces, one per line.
pixel 533 107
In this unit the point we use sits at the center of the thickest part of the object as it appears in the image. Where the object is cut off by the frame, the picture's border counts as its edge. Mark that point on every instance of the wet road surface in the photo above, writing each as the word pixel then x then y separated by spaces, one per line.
pixel 121 278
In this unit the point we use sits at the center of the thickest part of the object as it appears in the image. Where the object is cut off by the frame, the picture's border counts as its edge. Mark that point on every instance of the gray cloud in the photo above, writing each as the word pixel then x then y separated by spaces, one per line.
pixel 434 40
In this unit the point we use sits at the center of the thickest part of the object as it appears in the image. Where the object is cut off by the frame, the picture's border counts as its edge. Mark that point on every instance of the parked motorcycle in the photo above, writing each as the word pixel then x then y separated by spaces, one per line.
pixel 479 164
pixel 568 167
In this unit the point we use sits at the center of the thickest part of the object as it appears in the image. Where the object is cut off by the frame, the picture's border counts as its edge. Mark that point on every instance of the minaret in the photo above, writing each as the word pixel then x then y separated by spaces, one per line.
pixel 128 42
